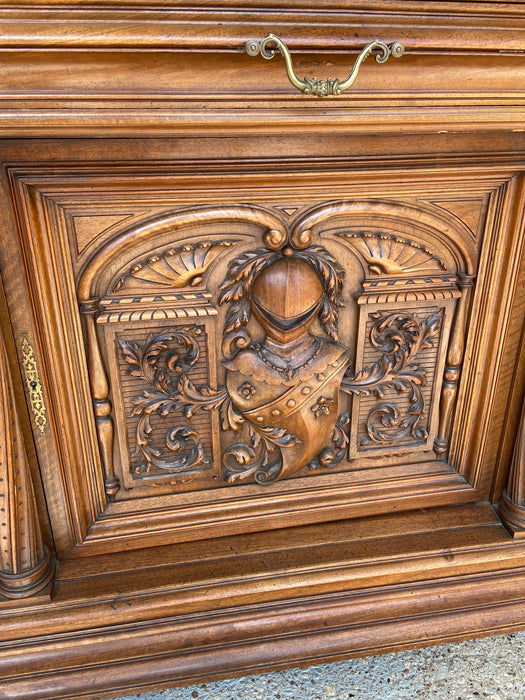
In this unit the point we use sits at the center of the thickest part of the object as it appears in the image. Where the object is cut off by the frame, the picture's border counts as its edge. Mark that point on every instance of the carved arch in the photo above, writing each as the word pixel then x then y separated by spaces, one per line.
pixel 427 225
pixel 91 283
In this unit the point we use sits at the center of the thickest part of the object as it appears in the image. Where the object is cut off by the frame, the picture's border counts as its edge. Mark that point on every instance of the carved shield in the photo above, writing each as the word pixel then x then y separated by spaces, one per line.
pixel 298 413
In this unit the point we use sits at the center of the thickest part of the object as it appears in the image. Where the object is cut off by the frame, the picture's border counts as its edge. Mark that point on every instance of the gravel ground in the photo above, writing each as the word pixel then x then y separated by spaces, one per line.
pixel 486 668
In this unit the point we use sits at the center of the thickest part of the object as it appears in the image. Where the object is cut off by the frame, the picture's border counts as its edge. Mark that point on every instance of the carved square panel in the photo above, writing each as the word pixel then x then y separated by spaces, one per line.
pixel 158 443
pixel 400 416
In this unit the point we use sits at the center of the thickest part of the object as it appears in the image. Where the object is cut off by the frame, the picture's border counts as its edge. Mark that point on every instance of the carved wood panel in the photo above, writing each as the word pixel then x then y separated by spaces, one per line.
pixel 293 355
pixel 278 389
pixel 148 366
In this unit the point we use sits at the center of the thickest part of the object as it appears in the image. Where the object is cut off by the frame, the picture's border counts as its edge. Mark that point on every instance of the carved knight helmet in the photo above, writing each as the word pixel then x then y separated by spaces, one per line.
pixel 285 297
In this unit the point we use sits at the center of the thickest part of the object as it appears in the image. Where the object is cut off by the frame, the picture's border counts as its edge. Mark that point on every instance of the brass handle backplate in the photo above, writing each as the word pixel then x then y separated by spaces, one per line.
pixel 313 86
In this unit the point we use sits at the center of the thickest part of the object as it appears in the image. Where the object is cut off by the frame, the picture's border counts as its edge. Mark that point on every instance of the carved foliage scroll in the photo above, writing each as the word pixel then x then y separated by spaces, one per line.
pixel 154 366
pixel 401 349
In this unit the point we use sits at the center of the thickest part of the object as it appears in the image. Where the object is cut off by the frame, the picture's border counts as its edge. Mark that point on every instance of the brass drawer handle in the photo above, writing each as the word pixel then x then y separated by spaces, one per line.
pixel 313 86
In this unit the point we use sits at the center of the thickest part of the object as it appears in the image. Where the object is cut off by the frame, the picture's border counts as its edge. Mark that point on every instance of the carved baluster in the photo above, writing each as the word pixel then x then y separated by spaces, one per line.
pixel 26 568
pixel 452 371
pixel 102 405
pixel 513 505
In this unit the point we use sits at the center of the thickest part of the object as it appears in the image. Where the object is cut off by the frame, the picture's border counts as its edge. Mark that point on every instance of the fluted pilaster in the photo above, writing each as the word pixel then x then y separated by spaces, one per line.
pixel 513 504
pixel 26 568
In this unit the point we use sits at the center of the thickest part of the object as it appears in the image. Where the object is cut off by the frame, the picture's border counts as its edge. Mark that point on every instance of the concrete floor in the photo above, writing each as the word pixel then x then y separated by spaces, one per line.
pixel 491 668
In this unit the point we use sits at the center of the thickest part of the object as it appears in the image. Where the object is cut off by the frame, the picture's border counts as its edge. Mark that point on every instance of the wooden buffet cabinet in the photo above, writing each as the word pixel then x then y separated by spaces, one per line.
pixel 262 351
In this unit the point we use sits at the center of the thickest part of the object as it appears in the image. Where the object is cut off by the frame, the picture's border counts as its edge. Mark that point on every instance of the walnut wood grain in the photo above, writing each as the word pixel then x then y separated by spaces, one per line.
pixel 184 240
pixel 259 602
pixel 94 27
pixel 26 568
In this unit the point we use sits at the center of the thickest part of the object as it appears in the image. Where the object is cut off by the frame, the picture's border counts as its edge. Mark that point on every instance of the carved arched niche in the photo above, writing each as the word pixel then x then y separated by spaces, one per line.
pixel 235 345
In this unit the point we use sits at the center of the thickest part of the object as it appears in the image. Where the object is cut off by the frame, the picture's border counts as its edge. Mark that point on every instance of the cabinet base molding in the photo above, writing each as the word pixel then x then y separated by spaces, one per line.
pixel 176 615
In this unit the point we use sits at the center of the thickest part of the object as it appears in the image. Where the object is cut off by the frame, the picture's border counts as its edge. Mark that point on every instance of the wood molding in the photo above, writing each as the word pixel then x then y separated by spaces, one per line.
pixel 280 599
pixel 111 70
pixel 454 26
pixel 324 482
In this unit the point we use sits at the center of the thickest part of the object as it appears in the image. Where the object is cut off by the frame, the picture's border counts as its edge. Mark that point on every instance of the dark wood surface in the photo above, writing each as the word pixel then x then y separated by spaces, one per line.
pixel 262 353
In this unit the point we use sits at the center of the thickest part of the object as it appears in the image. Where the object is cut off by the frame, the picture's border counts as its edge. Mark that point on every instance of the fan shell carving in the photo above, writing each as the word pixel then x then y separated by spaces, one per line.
pixel 391 255
pixel 175 268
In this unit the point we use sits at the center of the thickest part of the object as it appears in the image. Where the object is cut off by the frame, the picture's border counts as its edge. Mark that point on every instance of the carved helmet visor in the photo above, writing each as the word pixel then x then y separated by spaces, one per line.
pixel 287 293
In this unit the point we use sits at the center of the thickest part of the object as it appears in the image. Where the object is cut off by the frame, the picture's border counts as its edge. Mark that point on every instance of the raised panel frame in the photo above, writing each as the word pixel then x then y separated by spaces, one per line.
pixel 96 522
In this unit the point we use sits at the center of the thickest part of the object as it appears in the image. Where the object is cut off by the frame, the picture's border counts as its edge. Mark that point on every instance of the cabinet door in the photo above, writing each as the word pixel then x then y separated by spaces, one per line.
pixel 233 342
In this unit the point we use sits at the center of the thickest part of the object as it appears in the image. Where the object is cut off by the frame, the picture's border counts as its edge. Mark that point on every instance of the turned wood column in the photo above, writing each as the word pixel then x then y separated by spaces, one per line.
pixel 513 504
pixel 26 567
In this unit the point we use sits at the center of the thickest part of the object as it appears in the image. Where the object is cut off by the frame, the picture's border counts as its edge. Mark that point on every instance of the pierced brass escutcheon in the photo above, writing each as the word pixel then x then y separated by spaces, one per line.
pixel 34 385
pixel 313 86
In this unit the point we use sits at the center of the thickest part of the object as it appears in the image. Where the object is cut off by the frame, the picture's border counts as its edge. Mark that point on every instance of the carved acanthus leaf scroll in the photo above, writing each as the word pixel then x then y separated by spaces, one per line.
pixel 261 458
pixel 399 337
pixel 336 451
pixel 385 423
pixel 162 363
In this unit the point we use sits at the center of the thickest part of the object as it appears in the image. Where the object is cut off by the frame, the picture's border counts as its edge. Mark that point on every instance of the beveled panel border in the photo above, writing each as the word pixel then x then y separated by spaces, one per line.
pixel 94 522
